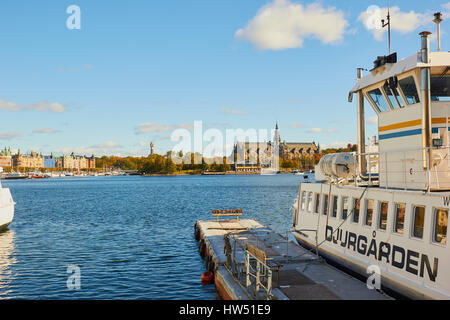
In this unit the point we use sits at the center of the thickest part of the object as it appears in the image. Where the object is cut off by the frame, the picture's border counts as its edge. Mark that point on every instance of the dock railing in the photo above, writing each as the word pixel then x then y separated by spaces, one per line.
pixel 250 268
pixel 257 269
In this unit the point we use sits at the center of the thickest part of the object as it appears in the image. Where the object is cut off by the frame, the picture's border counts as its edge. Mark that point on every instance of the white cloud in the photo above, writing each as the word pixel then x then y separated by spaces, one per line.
pixel 11 106
pixel 315 130
pixel 233 111
pixel 283 24
pixel 83 67
pixel 335 144
pixel 156 127
pixel 296 125
pixel 107 148
pixel 10 135
pixel 45 130
pixel 373 120
pixel 402 22
pixel 107 145
pixel 40 106
pixel 46 106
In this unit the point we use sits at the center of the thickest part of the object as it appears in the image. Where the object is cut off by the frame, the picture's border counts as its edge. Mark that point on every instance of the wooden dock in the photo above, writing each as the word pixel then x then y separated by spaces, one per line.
pixel 292 272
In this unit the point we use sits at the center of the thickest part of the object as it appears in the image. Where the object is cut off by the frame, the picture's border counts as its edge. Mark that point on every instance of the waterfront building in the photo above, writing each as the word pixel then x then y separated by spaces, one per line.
pixel 5 158
pixel 38 161
pixel 73 161
pixel 49 161
pixel 259 153
pixel 91 162
pixel 32 160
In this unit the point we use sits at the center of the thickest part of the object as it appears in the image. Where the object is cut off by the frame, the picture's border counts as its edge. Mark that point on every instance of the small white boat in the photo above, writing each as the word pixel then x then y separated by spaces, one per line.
pixel 306 177
pixel 6 206
pixel 15 175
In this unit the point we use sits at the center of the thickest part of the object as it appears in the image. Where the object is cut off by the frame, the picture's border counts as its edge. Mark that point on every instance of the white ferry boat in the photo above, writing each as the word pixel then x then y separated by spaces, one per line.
pixel 6 206
pixel 396 218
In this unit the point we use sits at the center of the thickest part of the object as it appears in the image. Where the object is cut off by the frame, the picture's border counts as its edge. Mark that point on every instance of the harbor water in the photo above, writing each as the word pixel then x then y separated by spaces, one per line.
pixel 131 237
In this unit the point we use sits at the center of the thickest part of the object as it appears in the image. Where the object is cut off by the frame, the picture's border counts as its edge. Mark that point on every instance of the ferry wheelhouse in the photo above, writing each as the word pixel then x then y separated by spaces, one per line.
pixel 389 208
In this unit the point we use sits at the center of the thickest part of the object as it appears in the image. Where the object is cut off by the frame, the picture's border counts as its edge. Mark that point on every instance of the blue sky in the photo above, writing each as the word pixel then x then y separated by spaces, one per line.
pixel 137 70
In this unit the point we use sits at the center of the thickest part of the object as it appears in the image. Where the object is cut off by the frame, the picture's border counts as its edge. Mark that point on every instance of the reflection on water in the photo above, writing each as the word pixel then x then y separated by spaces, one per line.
pixel 6 260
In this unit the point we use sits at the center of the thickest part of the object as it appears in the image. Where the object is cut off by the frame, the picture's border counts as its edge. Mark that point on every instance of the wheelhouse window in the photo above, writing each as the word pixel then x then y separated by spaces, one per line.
pixel 393 96
pixel 356 206
pixel 440 226
pixel 399 222
pixel 303 200
pixel 325 204
pixel 419 220
pixel 344 207
pixel 334 206
pixel 317 204
pixel 409 89
pixel 369 212
pixel 439 88
pixel 310 200
pixel 382 224
pixel 378 98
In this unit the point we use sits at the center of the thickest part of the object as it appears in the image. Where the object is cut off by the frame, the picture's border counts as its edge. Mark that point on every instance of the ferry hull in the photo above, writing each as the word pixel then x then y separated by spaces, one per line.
pixel 360 271
pixel 412 266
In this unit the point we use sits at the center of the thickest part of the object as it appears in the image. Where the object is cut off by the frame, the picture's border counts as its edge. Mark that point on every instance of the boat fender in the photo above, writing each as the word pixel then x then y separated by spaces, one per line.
pixel 207 277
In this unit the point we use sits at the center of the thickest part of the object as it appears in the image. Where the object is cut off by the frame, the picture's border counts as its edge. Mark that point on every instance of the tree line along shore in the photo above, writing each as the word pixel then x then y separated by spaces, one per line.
pixel 156 164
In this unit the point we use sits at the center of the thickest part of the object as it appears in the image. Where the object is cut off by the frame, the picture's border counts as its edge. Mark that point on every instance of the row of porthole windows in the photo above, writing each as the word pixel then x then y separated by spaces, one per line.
pixel 310 202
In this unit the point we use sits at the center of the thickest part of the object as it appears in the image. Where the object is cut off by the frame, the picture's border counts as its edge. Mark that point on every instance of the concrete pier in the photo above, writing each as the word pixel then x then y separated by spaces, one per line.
pixel 295 273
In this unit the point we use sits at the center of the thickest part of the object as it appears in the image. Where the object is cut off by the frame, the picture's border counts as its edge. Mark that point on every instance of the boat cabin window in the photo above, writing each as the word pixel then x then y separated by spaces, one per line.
pixel 393 95
pixel 356 205
pixel 325 204
pixel 409 89
pixel 334 206
pixel 439 88
pixel 317 204
pixel 382 222
pixel 303 200
pixel 369 212
pixel 310 200
pixel 419 219
pixel 399 221
pixel 440 226
pixel 378 98
pixel 344 207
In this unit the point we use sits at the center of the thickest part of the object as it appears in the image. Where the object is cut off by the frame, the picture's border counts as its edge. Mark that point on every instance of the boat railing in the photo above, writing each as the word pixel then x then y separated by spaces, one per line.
pixel 377 164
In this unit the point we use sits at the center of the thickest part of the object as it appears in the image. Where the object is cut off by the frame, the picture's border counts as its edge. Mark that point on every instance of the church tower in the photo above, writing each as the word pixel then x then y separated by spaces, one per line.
pixel 275 152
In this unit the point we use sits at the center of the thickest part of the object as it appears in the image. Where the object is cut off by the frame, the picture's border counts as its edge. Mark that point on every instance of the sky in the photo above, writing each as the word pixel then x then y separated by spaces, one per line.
pixel 135 71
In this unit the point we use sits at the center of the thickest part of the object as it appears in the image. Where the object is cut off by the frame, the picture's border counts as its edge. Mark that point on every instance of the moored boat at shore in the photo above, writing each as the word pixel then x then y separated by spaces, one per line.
pixel 6 206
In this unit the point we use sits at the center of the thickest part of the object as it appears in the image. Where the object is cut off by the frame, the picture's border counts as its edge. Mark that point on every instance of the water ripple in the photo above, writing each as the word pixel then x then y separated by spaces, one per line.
pixel 131 237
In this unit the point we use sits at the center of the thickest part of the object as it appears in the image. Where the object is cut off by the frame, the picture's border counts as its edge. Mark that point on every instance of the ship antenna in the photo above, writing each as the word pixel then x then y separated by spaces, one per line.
pixel 438 19
pixel 388 24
